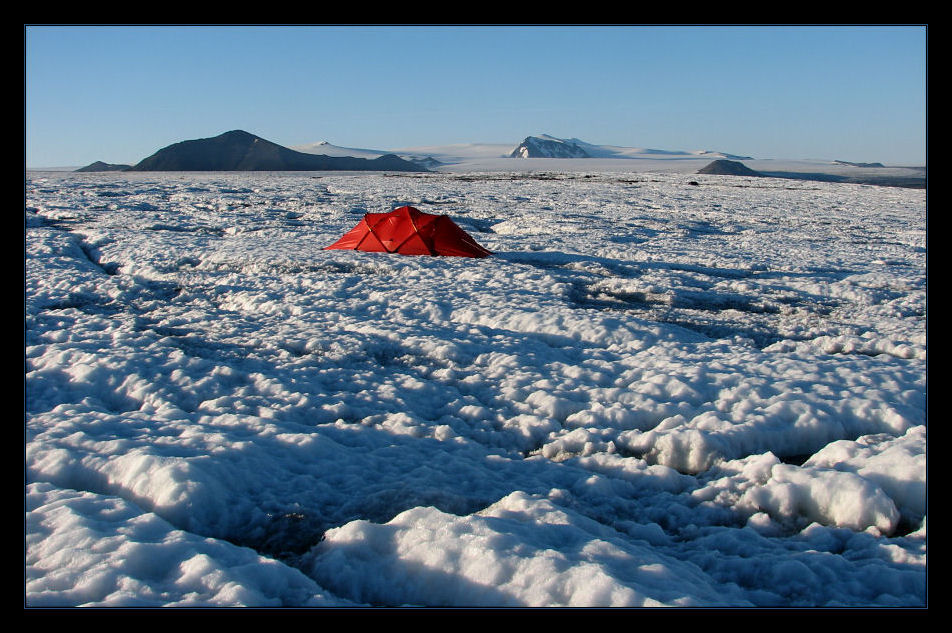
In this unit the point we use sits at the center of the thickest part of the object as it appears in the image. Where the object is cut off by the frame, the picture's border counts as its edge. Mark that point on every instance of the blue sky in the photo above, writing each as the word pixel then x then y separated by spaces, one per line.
pixel 120 93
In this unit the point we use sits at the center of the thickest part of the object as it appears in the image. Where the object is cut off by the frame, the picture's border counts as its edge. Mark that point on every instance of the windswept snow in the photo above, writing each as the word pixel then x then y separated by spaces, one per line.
pixel 654 393
pixel 329 149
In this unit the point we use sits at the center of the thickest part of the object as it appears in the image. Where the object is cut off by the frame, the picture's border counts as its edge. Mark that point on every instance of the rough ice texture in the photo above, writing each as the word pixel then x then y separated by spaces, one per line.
pixel 651 394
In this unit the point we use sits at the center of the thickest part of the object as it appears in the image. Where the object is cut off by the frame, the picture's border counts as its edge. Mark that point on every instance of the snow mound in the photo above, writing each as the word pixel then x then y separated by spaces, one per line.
pixel 828 497
pixel 521 551
pixel 91 550
pixel 896 464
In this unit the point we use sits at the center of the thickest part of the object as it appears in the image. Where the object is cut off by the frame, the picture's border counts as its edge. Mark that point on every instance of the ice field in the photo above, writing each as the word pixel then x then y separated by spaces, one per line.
pixel 662 389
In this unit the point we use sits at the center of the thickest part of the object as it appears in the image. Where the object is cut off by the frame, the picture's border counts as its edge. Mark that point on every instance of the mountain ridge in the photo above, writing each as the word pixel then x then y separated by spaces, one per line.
pixel 238 150
pixel 534 146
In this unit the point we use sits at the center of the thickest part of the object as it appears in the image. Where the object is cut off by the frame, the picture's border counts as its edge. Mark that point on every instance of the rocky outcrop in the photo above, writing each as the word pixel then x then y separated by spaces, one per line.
pixel 101 166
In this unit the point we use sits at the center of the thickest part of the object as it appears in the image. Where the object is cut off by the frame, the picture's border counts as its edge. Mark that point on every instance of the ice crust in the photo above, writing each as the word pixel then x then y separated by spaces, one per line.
pixel 652 394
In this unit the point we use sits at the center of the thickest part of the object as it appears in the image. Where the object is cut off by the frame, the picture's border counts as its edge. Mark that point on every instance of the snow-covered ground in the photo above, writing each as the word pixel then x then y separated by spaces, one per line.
pixel 653 393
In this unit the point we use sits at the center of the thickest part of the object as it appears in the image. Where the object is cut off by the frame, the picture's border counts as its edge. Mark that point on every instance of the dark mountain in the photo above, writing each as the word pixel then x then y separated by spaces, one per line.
pixel 101 166
pixel 728 168
pixel 429 162
pixel 240 151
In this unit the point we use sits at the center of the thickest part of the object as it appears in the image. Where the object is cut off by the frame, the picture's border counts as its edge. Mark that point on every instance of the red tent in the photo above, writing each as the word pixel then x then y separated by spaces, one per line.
pixel 409 231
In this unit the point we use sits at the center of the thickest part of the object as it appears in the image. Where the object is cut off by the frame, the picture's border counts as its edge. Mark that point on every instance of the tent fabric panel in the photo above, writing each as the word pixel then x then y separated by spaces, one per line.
pixel 351 240
pixel 415 245
pixel 450 239
pixel 372 219
pixel 372 243
pixel 393 232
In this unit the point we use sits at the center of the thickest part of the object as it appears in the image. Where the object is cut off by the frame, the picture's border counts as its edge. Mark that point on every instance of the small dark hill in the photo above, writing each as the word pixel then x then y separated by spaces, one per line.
pixel 240 151
pixel 728 168
pixel 734 168
pixel 848 163
pixel 101 166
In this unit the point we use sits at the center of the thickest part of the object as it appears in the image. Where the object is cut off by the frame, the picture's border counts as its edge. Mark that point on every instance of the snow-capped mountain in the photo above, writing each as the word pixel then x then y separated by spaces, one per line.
pixel 590 150
pixel 546 146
